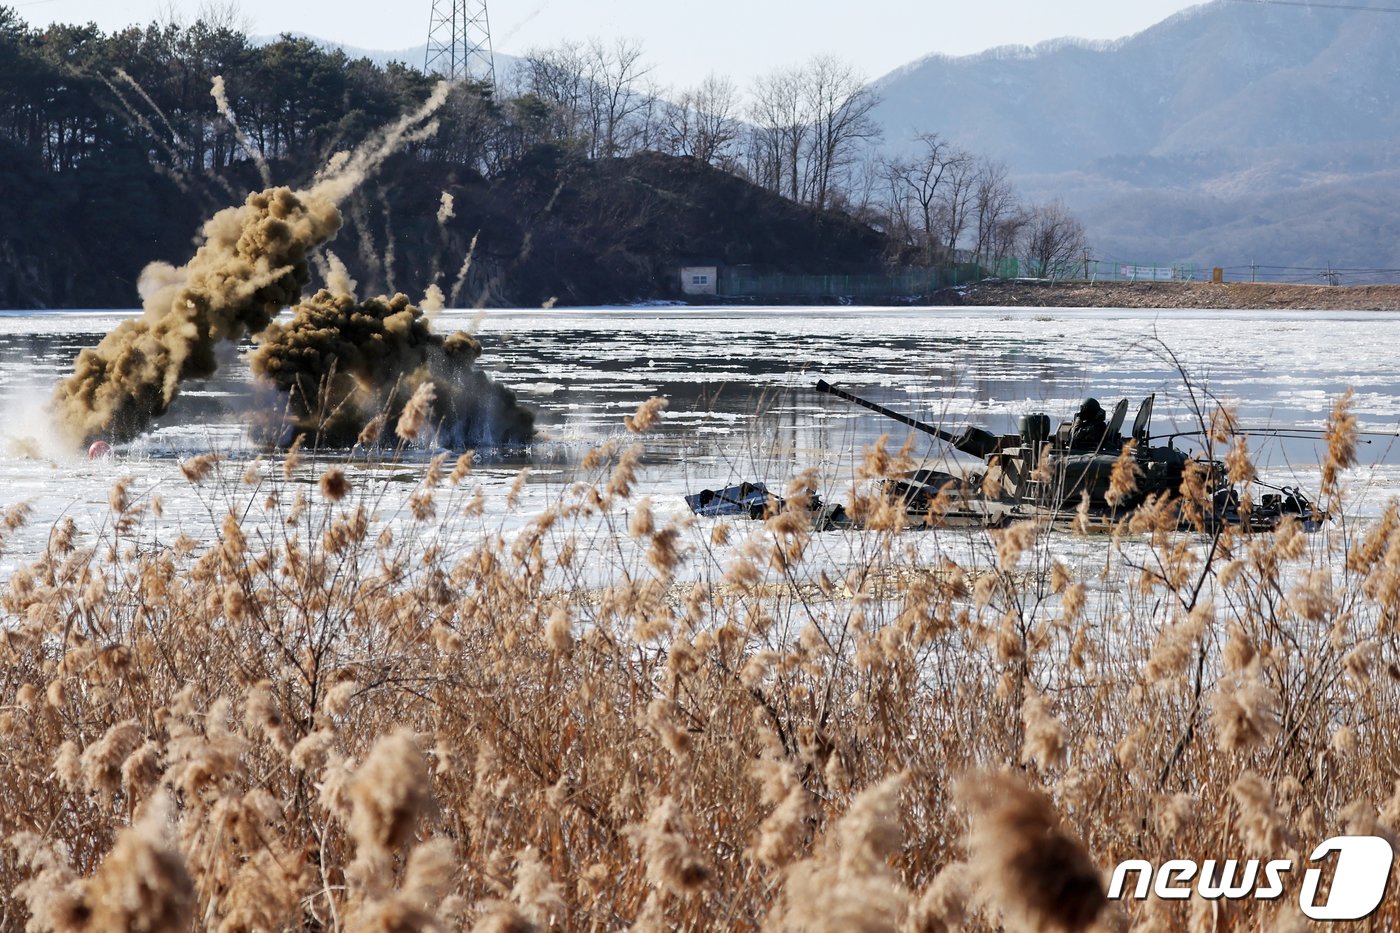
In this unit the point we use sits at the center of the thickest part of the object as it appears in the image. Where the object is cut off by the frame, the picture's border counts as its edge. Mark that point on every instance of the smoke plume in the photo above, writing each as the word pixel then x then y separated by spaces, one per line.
pixel 341 363
pixel 226 111
pixel 252 264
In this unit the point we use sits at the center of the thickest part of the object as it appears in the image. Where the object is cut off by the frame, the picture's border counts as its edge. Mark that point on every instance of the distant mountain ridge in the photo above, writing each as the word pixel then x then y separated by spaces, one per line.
pixel 1227 133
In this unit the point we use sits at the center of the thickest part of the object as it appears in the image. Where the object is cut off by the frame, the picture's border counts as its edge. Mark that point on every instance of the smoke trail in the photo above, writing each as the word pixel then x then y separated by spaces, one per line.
pixel 338 278
pixel 446 209
pixel 348 170
pixel 221 101
pixel 172 147
pixel 122 74
pixel 322 266
pixel 140 120
pixel 370 257
pixel 390 247
pixel 341 363
pixel 252 263
pixel 457 286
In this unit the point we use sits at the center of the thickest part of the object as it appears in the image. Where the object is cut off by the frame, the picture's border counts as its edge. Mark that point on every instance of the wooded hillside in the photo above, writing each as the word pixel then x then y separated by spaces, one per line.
pixel 113 150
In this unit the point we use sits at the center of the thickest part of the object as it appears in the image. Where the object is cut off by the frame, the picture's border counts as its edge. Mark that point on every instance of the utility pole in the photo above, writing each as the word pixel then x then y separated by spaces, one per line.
pixel 459 41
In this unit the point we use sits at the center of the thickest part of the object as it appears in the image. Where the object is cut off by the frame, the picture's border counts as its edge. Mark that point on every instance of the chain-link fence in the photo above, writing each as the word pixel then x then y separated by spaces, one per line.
pixel 915 283
pixel 899 283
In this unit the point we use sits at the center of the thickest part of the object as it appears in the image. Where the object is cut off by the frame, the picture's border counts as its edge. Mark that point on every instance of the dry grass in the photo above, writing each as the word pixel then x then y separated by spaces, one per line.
pixel 289 720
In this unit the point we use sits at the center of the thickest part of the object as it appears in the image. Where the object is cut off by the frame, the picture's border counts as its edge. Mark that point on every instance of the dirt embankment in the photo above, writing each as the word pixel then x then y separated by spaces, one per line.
pixel 1229 296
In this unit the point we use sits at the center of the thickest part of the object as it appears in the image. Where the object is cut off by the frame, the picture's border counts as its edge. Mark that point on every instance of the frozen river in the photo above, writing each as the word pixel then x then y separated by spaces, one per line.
pixel 739 383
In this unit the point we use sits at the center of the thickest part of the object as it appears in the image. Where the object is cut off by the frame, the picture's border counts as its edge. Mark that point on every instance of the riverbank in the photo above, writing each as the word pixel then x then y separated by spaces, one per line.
pixel 1230 296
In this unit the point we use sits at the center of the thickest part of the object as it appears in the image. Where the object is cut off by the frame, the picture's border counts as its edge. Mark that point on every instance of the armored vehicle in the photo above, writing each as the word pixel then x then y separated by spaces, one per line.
pixel 1061 475
pixel 1040 472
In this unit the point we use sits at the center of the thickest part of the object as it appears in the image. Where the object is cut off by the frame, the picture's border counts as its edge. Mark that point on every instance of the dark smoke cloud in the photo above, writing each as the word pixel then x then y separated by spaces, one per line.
pixel 252 264
pixel 341 362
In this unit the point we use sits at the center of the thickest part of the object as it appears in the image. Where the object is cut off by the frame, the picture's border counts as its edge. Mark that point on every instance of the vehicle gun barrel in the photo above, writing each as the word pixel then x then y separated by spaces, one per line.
pixel 972 440
pixel 829 389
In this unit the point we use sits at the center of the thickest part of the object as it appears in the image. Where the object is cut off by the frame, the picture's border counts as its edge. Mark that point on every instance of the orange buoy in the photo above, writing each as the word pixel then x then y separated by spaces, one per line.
pixel 100 450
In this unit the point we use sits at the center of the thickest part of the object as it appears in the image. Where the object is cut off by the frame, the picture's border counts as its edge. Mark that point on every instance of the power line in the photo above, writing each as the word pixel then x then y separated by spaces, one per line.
pixel 1322 6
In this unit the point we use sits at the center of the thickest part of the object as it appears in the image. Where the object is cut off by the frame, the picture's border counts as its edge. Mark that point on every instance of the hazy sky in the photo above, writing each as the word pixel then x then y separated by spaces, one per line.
pixel 683 41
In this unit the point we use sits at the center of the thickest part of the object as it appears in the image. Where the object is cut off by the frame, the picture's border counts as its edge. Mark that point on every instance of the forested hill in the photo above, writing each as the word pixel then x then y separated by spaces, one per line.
pixel 113 151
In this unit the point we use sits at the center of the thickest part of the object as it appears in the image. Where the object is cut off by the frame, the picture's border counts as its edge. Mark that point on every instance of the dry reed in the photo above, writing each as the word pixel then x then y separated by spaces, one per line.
pixel 304 717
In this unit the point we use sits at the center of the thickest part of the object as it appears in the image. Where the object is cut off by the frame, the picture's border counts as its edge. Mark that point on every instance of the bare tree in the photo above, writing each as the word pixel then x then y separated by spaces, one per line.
pixel 900 224
pixel 614 97
pixel 169 15
pixel 782 127
pixel 859 193
pixel 702 122
pixel 680 124
pixel 917 184
pixel 1053 240
pixel 955 198
pixel 840 103
pixel 225 15
pixel 555 77
pixel 993 205
pixel 808 124
pixel 647 127
pixel 1010 232
pixel 717 125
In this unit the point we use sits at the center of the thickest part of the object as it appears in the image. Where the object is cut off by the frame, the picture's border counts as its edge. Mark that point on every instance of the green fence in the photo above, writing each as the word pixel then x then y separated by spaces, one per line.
pixel 900 283
pixel 1095 270
pixel 913 284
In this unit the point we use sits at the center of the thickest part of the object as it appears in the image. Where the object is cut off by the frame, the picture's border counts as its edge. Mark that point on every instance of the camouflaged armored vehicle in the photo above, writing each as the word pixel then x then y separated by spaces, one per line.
pixel 1059 475
pixel 1045 473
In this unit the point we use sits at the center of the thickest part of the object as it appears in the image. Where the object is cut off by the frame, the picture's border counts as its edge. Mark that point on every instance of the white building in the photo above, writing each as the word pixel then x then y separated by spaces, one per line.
pixel 700 280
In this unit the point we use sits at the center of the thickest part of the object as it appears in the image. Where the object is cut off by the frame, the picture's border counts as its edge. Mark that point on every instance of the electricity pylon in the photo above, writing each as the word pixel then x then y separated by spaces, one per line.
pixel 459 41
